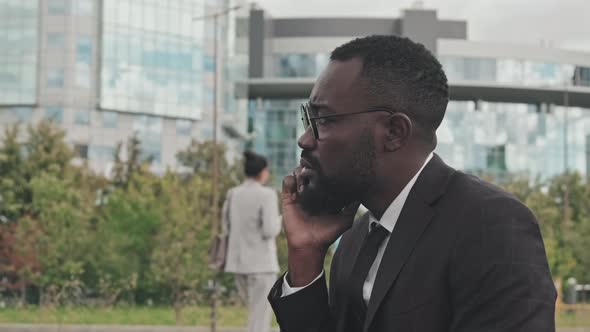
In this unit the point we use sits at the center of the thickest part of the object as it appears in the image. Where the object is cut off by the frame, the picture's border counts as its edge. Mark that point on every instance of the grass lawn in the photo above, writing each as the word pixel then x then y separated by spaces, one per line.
pixel 195 316
pixel 580 318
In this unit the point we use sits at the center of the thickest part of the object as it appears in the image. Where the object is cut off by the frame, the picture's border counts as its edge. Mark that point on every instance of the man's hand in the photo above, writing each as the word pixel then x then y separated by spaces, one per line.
pixel 309 237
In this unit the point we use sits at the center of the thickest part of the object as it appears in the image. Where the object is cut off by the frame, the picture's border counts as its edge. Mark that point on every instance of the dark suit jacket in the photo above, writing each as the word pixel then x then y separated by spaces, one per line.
pixel 463 256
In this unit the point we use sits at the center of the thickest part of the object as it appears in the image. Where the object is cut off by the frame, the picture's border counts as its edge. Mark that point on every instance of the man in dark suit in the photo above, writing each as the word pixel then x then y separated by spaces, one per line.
pixel 439 250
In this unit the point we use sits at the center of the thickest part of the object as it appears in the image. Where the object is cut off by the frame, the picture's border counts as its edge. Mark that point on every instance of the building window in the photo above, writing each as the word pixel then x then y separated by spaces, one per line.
pixel 101 152
pixel 19 53
pixel 149 133
pixel 83 7
pixel 55 78
pixel 55 39
pixel 82 118
pixel 54 114
pixel 183 127
pixel 23 114
pixel 207 132
pixel 83 75
pixel 84 50
pixel 56 7
pixel 81 150
pixel 109 119
pixel 151 155
pixel 209 63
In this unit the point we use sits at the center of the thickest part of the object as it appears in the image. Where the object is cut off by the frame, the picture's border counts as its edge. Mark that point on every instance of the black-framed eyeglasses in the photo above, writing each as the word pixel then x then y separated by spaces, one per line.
pixel 309 121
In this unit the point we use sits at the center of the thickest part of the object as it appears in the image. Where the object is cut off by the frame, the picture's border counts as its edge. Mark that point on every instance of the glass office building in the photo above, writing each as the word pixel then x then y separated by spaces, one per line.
pixel 153 57
pixel 19 27
pixel 105 70
pixel 514 109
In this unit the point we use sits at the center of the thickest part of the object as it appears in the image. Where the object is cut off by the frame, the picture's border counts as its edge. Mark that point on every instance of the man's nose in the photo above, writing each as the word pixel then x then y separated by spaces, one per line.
pixel 307 141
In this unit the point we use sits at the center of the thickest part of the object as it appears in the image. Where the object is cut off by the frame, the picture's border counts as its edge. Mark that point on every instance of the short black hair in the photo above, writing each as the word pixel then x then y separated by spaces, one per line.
pixel 403 74
pixel 254 163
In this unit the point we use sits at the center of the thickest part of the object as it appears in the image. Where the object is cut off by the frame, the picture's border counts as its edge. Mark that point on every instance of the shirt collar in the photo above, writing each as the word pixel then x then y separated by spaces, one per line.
pixel 389 218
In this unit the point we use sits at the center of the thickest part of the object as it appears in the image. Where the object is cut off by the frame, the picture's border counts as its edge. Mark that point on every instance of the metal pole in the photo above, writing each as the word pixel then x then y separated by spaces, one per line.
pixel 214 179
pixel 566 196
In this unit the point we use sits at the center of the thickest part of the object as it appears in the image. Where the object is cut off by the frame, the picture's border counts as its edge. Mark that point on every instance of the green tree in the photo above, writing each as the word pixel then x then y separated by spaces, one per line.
pixel 179 258
pixel 27 163
pixel 58 234
pixel 127 224
pixel 13 183
pixel 198 159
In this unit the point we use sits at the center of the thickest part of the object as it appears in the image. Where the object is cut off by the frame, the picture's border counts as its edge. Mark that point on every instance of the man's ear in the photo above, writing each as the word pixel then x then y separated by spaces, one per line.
pixel 399 131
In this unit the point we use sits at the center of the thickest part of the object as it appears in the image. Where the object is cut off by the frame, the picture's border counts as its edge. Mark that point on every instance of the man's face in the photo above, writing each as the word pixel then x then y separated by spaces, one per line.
pixel 338 168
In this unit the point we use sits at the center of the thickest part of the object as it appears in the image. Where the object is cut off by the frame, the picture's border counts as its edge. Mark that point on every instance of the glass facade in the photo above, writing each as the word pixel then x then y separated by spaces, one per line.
pixel 54 113
pixel 514 71
pixel 55 40
pixel 18 58
pixel 82 117
pixel 56 7
pixel 23 114
pixel 55 78
pixel 101 152
pixel 485 138
pixel 84 50
pixel 152 57
pixel 109 119
pixel 277 125
pixel 299 64
pixel 81 150
pixel 184 127
pixel 498 139
pixel 495 140
pixel 83 7
pixel 84 53
pixel 149 132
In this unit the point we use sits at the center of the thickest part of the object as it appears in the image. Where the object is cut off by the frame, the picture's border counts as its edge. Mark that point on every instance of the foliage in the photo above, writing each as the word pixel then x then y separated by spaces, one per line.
pixel 179 257
pixel 139 238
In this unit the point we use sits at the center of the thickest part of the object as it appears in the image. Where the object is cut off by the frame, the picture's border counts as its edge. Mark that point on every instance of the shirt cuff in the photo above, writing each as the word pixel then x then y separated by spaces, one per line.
pixel 288 290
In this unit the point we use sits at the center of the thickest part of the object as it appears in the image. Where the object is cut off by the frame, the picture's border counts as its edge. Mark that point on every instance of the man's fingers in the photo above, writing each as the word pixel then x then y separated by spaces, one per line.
pixel 289 187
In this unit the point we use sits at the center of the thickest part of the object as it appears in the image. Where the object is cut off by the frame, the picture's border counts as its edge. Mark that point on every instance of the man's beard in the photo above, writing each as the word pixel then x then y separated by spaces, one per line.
pixel 320 194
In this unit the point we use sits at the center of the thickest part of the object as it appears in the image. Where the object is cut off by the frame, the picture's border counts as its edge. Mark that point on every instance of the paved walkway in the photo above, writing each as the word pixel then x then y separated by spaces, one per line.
pixel 135 328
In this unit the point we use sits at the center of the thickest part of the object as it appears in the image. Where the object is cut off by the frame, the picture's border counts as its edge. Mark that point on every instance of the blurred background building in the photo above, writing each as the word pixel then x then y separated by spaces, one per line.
pixel 105 69
pixel 514 108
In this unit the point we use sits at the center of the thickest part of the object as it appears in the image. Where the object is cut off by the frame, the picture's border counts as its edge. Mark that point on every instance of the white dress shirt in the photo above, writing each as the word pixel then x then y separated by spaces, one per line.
pixel 388 221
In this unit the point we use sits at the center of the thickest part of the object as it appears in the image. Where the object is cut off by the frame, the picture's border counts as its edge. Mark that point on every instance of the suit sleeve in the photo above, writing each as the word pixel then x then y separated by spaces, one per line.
pixel 271 221
pixel 499 274
pixel 305 311
pixel 310 309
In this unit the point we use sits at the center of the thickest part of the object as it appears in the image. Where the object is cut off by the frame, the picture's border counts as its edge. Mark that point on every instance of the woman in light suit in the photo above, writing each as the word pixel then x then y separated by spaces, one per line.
pixel 251 218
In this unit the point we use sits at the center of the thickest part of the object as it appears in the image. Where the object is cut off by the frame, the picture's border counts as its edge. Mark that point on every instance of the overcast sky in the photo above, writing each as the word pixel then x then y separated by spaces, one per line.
pixel 564 23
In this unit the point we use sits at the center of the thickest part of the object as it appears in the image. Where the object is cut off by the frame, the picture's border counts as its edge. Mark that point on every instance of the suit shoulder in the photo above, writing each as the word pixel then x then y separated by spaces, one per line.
pixel 487 202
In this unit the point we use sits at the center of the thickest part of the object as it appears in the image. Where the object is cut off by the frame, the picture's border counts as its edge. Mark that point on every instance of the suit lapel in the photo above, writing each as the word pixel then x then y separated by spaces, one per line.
pixel 413 220
pixel 357 236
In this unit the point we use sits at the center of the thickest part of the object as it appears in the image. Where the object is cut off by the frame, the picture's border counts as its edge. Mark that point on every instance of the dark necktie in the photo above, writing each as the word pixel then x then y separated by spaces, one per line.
pixel 356 305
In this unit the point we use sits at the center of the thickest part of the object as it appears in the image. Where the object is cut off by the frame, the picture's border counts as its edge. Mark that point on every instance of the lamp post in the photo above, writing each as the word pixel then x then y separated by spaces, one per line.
pixel 215 173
